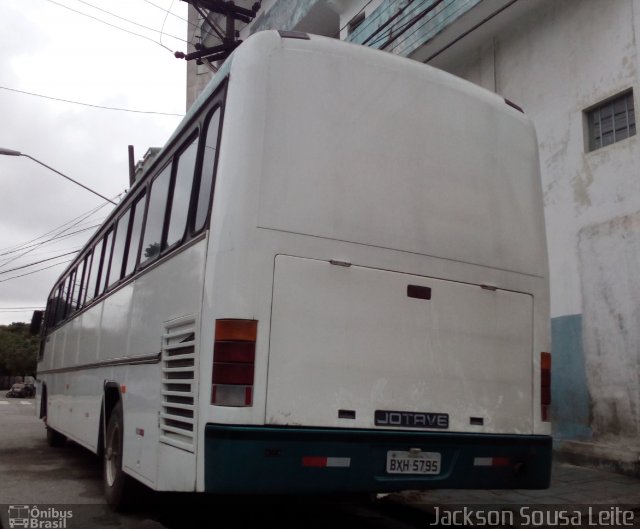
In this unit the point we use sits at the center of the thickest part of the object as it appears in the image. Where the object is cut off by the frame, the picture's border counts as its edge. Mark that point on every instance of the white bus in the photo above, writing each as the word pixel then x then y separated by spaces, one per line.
pixel 333 278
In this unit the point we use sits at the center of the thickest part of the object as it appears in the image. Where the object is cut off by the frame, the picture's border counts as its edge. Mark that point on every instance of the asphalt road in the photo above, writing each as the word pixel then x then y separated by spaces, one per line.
pixel 33 474
pixel 70 478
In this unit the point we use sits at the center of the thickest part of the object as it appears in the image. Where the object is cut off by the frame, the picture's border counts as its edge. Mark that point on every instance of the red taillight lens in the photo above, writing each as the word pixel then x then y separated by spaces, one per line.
pixel 241 374
pixel 234 354
pixel 545 386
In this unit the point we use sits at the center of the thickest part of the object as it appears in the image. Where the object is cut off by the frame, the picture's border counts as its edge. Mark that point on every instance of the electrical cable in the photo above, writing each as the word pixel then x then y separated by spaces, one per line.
pixel 102 107
pixel 403 23
pixel 36 262
pixel 74 224
pixel 35 271
pixel 165 21
pixel 172 14
pixel 407 42
pixel 82 216
pixel 400 31
pixel 387 23
pixel 111 25
pixel 53 239
pixel 21 309
pixel 133 22
pixel 354 16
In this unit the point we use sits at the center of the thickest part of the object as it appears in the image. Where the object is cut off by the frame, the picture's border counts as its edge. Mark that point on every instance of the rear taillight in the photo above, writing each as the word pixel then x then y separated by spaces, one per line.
pixel 545 386
pixel 234 353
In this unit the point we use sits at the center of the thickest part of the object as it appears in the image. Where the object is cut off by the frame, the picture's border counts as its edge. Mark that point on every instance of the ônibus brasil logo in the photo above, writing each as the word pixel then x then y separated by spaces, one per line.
pixel 34 517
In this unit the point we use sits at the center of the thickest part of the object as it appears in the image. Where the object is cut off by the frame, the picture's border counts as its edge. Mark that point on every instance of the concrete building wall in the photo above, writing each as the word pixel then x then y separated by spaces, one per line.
pixel 555 58
pixel 557 61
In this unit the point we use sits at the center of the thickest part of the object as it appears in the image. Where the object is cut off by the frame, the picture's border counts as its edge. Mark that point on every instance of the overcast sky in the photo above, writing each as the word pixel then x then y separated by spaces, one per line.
pixel 53 51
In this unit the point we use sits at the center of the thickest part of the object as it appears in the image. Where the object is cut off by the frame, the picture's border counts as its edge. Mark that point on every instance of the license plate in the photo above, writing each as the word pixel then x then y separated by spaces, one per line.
pixel 399 462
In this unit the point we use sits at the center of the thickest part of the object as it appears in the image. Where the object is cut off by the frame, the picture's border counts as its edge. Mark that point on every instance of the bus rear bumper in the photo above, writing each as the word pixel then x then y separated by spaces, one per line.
pixel 268 460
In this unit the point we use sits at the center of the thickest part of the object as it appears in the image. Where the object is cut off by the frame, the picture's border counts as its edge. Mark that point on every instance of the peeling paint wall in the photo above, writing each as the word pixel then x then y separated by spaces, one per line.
pixel 609 256
pixel 555 58
pixel 556 61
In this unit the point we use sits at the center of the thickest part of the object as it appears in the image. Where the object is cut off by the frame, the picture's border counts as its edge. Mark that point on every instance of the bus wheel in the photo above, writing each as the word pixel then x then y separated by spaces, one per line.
pixel 117 485
pixel 55 439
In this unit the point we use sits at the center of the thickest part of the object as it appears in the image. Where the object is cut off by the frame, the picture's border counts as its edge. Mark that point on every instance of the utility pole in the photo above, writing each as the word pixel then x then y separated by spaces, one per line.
pixel 229 40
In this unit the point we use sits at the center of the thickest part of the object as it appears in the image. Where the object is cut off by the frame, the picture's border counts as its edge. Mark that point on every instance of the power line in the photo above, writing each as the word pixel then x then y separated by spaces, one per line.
pixel 402 24
pixel 57 237
pixel 133 22
pixel 387 23
pixel 35 271
pixel 420 27
pixel 354 16
pixel 80 218
pixel 42 254
pixel 111 25
pixel 25 309
pixel 37 262
pixel 60 232
pixel 88 104
pixel 165 21
pixel 172 14
pixel 19 308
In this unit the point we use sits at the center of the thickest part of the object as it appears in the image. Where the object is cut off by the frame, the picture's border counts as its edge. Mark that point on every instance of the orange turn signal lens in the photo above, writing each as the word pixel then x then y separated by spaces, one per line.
pixel 245 330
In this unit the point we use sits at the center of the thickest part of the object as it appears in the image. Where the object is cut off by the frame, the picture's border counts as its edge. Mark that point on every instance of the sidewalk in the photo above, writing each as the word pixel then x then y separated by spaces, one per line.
pixel 570 486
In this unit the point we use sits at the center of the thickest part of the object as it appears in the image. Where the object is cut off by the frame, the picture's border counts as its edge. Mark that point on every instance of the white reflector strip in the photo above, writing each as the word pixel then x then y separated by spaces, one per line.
pixel 483 461
pixel 338 462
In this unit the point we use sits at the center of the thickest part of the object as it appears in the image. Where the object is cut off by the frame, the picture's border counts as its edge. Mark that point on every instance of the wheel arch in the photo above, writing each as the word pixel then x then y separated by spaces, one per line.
pixel 112 394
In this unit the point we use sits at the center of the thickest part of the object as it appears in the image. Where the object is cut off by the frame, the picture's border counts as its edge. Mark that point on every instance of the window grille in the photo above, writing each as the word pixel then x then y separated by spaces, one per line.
pixel 611 121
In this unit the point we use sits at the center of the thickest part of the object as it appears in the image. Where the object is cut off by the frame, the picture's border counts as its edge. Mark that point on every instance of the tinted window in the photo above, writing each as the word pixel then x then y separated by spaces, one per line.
pixel 152 241
pixel 136 231
pixel 185 168
pixel 59 304
pixel 119 245
pixel 93 275
pixel 75 287
pixel 68 293
pixel 102 282
pixel 51 310
pixel 81 281
pixel 208 169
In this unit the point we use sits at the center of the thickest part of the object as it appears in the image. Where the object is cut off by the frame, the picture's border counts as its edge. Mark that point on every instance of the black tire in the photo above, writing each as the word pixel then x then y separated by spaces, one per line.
pixel 55 439
pixel 119 489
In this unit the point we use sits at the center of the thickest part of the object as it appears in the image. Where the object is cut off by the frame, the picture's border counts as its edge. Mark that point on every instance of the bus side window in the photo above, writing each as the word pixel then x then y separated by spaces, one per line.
pixel 68 292
pixel 134 238
pixel 73 292
pixel 102 280
pixel 119 245
pixel 81 281
pixel 207 179
pixel 93 275
pixel 183 183
pixel 59 304
pixel 50 313
pixel 153 228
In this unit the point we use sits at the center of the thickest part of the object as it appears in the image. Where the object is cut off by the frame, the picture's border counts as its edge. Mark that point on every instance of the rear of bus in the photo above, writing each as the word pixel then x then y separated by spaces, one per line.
pixel 376 292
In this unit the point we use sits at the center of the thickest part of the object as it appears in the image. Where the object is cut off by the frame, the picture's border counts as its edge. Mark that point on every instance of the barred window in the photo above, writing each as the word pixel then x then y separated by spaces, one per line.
pixel 611 121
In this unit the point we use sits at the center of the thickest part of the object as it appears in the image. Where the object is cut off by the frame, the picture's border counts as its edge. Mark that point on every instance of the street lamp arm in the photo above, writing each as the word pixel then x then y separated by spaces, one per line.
pixel 68 178
pixel 9 152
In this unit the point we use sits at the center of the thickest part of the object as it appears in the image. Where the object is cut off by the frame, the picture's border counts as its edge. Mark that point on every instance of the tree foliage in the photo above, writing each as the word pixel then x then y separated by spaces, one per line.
pixel 18 350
